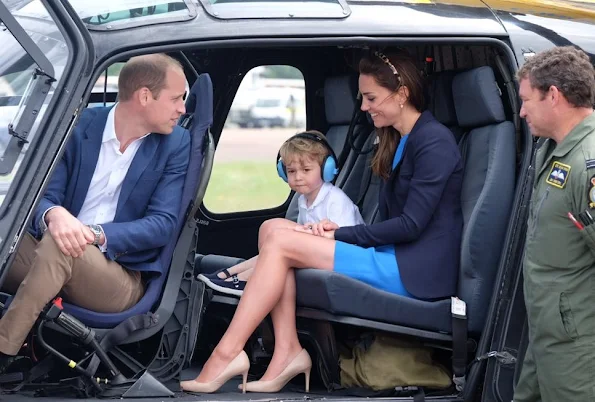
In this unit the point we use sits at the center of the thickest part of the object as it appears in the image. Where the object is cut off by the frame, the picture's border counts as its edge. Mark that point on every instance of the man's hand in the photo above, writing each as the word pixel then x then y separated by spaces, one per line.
pixel 69 233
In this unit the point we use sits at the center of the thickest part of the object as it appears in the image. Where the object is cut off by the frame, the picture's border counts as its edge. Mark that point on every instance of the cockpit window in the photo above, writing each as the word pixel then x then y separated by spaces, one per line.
pixel 258 9
pixel 116 14
pixel 32 58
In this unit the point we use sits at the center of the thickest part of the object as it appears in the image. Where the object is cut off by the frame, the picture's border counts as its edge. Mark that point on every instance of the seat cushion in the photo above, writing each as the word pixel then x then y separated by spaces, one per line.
pixel 341 295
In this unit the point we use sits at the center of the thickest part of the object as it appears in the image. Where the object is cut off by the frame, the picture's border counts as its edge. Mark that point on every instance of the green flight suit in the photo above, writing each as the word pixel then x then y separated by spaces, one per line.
pixel 559 273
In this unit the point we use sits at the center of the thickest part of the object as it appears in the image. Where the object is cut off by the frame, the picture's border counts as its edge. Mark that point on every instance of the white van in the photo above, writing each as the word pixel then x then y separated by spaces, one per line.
pixel 280 107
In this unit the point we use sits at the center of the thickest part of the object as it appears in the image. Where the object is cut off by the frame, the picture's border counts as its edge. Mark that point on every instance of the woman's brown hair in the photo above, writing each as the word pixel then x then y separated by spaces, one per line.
pixel 392 70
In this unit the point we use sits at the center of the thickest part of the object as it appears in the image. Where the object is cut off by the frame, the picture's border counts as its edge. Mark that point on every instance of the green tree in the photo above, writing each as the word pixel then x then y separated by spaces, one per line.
pixel 282 72
pixel 114 69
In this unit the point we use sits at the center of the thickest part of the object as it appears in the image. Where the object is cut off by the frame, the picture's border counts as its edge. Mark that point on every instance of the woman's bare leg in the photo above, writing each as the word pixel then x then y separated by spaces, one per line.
pixel 287 345
pixel 272 225
pixel 279 254
pixel 266 228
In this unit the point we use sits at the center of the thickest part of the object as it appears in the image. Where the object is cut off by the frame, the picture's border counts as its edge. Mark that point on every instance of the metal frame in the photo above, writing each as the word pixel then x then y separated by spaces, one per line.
pixel 116 26
pixel 25 41
pixel 239 13
pixel 37 90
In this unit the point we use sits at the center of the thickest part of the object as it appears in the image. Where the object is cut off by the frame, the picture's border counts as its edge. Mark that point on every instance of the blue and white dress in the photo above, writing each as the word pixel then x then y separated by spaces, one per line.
pixel 376 266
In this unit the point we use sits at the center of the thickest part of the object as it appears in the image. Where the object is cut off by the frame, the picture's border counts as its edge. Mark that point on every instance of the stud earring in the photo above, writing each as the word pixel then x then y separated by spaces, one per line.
pixel 401 106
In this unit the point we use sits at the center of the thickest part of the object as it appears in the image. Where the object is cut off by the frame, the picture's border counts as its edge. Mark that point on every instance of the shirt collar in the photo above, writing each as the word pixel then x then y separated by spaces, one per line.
pixel 109 133
pixel 322 193
pixel 583 128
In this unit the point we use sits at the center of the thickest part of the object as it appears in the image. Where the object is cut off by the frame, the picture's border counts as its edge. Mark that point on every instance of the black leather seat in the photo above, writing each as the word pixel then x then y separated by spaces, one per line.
pixel 441 102
pixel 488 189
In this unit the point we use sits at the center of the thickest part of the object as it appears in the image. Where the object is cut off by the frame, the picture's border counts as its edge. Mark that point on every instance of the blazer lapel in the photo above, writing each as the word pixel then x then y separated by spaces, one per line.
pixel 139 164
pixel 90 147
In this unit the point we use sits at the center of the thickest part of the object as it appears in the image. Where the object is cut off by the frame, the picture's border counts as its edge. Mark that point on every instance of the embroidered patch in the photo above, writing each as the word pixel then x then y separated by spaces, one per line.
pixel 558 175
pixel 591 192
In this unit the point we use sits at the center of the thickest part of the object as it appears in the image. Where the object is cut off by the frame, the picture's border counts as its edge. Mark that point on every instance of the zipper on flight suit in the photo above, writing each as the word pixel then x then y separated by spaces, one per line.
pixel 538 210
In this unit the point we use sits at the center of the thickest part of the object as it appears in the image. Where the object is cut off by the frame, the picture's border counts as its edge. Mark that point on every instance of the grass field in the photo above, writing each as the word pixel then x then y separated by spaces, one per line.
pixel 244 186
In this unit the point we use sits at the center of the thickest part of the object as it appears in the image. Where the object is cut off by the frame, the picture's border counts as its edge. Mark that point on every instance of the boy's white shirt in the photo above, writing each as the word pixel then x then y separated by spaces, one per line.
pixel 330 203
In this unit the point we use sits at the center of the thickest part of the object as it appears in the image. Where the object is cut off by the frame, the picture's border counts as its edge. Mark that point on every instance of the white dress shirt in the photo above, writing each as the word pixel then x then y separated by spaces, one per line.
pixel 331 203
pixel 112 166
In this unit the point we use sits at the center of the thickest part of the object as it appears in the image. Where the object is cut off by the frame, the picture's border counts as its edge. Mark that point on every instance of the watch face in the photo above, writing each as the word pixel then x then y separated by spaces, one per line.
pixel 97 232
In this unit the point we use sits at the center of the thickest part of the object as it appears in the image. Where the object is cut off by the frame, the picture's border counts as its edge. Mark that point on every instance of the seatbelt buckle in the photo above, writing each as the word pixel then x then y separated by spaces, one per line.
pixel 459 382
pixel 458 308
pixel 53 309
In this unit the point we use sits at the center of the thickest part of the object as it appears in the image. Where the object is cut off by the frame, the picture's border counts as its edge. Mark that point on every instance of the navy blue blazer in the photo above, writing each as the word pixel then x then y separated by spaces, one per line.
pixel 420 211
pixel 149 202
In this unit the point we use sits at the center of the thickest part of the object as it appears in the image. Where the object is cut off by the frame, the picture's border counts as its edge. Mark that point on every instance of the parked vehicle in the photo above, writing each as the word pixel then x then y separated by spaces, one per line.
pixel 279 107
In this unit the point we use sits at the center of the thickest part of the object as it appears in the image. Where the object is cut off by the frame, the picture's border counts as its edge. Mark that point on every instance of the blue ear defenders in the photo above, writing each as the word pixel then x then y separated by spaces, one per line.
pixel 329 165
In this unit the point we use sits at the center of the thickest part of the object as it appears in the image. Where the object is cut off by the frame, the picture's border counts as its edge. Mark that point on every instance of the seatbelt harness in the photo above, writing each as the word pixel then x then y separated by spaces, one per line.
pixel 458 311
pixel 350 140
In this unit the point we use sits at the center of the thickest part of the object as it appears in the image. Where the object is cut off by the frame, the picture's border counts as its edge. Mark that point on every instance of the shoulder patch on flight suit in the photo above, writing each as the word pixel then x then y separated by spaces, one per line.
pixel 558 174
pixel 590 163
pixel 591 192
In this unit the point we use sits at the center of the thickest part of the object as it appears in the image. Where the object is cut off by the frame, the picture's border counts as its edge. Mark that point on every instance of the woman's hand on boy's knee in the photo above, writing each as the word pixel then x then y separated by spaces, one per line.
pixel 324 228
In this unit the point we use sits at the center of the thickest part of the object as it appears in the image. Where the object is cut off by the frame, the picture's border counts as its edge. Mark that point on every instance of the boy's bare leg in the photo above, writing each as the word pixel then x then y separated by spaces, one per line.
pixel 240 268
pixel 244 275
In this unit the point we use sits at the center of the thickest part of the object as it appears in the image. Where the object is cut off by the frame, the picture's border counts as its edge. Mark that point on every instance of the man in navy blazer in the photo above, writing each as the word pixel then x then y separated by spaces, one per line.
pixel 110 206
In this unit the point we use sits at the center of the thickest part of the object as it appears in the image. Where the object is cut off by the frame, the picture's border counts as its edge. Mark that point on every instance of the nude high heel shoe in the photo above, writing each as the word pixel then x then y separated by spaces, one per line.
pixel 239 365
pixel 300 364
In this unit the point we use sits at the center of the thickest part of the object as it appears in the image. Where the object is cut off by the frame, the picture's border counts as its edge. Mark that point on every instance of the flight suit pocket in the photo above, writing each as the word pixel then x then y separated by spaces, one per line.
pixel 588 234
pixel 567 316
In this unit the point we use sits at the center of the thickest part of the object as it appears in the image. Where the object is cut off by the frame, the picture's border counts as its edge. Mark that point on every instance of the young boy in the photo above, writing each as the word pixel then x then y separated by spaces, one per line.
pixel 307 163
pixel 306 158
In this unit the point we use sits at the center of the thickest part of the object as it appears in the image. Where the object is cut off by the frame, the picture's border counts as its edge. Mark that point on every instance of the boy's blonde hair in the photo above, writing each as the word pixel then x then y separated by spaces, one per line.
pixel 299 147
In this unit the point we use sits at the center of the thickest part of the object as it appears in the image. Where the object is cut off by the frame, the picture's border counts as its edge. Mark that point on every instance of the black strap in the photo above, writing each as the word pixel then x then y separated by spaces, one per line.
pixel 350 139
pixel 459 350
pixel 417 393
pixel 464 146
pixel 419 396
pixel 122 331
pixel 366 180
pixel 38 371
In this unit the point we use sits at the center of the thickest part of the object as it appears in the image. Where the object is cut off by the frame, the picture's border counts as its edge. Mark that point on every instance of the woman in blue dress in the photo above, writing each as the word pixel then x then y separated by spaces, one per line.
pixel 412 251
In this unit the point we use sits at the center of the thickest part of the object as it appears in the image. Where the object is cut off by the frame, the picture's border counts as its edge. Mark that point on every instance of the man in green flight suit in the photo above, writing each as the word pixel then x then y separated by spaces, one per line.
pixel 557 88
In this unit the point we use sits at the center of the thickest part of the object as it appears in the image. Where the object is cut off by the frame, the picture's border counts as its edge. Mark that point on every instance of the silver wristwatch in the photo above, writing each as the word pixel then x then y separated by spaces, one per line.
pixel 96 229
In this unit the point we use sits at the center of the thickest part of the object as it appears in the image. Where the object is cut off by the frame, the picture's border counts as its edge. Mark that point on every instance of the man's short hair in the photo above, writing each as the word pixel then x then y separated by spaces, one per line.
pixel 568 69
pixel 148 71
pixel 300 147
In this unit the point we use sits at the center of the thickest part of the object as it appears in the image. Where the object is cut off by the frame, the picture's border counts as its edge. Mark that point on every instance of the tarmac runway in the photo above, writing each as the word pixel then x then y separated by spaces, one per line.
pixel 251 144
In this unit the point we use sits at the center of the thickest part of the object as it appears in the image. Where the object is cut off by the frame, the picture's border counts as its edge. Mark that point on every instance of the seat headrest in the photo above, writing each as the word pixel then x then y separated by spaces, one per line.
pixel 200 101
pixel 477 98
pixel 339 98
pixel 441 102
